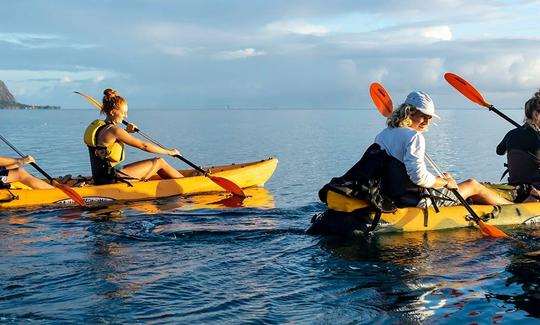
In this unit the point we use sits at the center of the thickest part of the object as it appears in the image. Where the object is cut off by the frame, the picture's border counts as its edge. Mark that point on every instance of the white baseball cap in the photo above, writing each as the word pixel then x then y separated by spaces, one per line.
pixel 422 102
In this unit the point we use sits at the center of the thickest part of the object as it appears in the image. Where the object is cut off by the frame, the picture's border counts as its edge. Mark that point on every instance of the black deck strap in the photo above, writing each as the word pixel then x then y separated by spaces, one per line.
pixel 433 201
pixel 12 198
pixel 374 223
pixel 427 193
pixel 505 172
pixel 426 216
pixel 522 192
pixel 494 213
pixel 125 178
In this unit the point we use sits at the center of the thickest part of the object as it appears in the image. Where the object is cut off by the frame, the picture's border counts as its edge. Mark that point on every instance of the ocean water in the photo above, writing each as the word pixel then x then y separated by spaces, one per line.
pixel 182 261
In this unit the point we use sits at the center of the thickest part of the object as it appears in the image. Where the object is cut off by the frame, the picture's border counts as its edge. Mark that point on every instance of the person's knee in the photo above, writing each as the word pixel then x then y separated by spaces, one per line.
pixel 471 182
pixel 476 186
pixel 17 173
pixel 159 161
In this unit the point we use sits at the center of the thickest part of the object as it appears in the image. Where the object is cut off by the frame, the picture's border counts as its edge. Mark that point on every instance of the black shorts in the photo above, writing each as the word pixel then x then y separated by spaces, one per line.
pixel 3 175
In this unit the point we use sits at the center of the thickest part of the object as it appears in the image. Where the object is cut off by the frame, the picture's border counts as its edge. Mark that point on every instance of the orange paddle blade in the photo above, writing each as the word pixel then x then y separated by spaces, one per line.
pixel 381 99
pixel 69 192
pixel 228 185
pixel 464 87
pixel 92 100
pixel 491 231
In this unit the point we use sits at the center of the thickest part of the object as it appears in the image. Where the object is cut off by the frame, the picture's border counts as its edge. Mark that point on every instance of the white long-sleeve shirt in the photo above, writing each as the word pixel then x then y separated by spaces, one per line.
pixel 408 146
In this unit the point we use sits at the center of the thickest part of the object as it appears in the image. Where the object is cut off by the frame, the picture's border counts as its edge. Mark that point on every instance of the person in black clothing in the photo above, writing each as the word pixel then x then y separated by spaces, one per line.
pixel 522 148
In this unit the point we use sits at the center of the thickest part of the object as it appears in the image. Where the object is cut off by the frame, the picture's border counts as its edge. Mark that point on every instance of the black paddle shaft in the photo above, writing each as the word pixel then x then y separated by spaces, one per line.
pixel 475 217
pixel 504 116
pixel 460 198
pixel 22 155
pixel 199 169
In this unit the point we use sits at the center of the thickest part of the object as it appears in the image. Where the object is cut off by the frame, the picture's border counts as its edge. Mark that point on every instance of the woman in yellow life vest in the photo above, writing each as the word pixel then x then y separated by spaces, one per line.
pixel 106 140
pixel 11 172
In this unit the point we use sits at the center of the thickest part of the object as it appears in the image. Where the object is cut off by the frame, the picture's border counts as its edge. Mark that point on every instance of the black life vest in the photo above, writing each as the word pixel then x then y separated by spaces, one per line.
pixel 396 184
pixel 523 167
pixel 379 178
pixel 522 148
pixel 363 180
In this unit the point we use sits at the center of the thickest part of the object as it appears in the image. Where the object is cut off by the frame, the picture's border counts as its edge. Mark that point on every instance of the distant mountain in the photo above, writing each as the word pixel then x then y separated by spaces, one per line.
pixel 7 101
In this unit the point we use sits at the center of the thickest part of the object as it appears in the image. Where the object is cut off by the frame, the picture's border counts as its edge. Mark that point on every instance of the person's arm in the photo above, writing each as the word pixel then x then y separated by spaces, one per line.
pixel 416 166
pixel 501 147
pixel 8 162
pixel 447 181
pixel 123 136
pixel 415 162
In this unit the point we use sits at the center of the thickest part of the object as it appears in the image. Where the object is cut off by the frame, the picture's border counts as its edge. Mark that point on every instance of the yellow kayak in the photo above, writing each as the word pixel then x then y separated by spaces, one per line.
pixel 244 175
pixel 349 216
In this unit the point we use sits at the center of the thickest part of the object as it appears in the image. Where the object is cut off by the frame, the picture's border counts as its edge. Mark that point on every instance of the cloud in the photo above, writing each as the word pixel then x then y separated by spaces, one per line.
pixel 65 80
pixel 238 54
pixel 35 83
pixel 296 27
pixel 60 76
pixel 415 35
pixel 40 41
pixel 504 72
pixel 176 51
pixel 316 53
pixel 439 33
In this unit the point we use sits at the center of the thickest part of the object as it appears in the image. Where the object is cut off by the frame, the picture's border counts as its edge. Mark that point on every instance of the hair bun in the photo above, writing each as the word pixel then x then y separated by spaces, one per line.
pixel 110 93
pixel 537 95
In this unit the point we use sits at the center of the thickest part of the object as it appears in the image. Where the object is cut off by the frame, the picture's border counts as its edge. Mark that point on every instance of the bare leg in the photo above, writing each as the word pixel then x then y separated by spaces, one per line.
pixel 20 175
pixel 145 169
pixel 479 193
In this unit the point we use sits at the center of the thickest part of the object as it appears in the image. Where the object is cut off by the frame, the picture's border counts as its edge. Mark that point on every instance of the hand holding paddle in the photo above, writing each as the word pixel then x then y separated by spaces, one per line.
pixel 222 182
pixel 64 188
pixel 383 102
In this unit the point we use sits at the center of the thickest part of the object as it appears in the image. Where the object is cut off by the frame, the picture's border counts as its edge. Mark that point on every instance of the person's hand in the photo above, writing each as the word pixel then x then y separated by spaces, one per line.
pixel 174 152
pixel 26 160
pixel 451 183
pixel 131 128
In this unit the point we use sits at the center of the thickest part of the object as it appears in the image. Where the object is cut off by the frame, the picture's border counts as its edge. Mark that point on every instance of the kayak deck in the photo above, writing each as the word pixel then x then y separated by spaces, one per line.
pixel 244 175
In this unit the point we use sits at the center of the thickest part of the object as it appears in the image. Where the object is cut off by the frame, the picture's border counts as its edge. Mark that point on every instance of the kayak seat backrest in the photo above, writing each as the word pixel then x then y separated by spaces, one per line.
pixel 362 181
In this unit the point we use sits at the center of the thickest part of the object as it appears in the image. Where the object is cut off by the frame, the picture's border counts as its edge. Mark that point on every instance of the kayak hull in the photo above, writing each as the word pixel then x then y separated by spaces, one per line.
pixel 244 175
pixel 350 221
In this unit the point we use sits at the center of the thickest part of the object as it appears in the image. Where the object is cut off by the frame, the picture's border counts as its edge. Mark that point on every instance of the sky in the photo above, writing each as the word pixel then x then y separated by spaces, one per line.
pixel 265 54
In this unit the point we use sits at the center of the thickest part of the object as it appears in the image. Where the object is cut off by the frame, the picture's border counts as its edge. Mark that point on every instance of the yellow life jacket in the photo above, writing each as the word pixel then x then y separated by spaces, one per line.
pixel 114 153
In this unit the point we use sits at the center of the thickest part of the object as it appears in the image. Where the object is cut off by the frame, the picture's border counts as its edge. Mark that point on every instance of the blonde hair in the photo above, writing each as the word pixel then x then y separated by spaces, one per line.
pixel 111 101
pixel 401 117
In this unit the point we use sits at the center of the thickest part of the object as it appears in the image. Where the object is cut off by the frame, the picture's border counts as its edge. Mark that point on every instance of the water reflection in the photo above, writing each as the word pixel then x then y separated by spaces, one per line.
pixel 522 287
pixel 443 276
pixel 256 197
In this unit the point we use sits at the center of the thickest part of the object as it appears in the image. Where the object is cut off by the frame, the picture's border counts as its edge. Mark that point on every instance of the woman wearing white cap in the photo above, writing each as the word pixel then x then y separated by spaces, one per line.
pixel 407 178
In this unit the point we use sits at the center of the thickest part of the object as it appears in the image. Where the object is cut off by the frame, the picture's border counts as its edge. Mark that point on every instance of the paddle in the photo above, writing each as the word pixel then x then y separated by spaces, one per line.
pixel 474 95
pixel 64 188
pixel 221 181
pixel 383 102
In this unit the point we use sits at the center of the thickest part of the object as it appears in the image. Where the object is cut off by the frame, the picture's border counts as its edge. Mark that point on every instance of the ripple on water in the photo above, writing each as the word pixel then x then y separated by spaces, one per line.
pixel 251 265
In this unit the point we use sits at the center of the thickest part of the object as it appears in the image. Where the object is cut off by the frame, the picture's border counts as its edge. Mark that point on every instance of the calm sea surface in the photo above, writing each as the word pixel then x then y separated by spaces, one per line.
pixel 174 261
